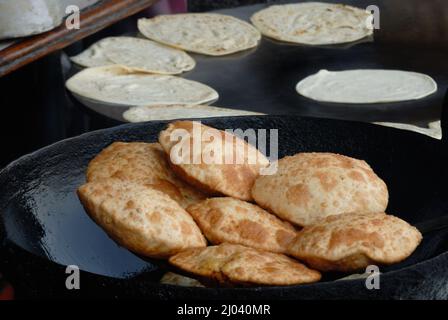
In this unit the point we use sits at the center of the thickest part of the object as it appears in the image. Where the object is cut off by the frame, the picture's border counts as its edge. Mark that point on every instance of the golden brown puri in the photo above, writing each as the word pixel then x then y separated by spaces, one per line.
pixel 179 280
pixel 145 163
pixel 140 218
pixel 235 221
pixel 352 241
pixel 236 264
pixel 311 186
pixel 232 173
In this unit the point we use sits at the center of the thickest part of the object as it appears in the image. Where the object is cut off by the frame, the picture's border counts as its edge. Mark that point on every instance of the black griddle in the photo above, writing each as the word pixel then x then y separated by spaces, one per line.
pixel 413 36
pixel 43 227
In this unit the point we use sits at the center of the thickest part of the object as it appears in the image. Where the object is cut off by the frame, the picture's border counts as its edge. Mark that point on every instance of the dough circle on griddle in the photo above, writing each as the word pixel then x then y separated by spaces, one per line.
pixel 206 33
pixel 366 86
pixel 117 85
pixel 313 23
pixel 136 55
pixel 180 111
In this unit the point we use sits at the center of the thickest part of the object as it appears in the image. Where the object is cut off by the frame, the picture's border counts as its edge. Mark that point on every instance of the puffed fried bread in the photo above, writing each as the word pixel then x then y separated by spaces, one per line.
pixel 140 218
pixel 352 241
pixel 237 264
pixel 235 221
pixel 221 164
pixel 311 186
pixel 144 163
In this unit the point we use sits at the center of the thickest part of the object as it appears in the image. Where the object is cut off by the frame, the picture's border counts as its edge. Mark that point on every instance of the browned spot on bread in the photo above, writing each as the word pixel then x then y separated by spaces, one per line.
pixel 181 173
pixel 231 174
pixel 360 200
pixel 356 175
pixel 377 222
pixel 239 270
pixel 284 238
pixel 186 125
pixel 242 210
pixel 130 205
pixel 155 217
pixel 186 229
pixel 215 217
pixel 168 188
pixel 270 269
pixel 299 195
pixel 98 193
pixel 251 230
pixel 327 181
pixel 350 236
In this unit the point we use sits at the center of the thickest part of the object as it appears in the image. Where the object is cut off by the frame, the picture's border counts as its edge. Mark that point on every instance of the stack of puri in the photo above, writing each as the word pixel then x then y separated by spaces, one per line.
pixel 229 223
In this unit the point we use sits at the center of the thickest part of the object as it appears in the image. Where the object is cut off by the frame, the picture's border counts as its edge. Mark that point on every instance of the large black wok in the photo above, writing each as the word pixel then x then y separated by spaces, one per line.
pixel 43 227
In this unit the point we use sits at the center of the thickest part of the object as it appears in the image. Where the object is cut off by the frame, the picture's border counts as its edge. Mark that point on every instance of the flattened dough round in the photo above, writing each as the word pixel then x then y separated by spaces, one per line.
pixel 94 56
pixel 313 23
pixel 206 33
pixel 230 263
pixel 231 170
pixel 234 221
pixel 136 55
pixel 352 241
pixel 144 163
pixel 366 86
pixel 311 186
pixel 117 85
pixel 140 218
pixel 180 111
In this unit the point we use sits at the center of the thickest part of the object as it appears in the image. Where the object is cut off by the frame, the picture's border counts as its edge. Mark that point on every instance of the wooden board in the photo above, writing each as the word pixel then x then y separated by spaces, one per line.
pixel 93 19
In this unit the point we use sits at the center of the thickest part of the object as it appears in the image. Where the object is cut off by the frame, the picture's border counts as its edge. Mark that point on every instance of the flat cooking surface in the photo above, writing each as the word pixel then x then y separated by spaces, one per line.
pixel 413 36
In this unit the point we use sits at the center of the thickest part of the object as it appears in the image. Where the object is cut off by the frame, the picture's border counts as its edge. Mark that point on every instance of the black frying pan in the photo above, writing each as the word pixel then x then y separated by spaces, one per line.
pixel 43 227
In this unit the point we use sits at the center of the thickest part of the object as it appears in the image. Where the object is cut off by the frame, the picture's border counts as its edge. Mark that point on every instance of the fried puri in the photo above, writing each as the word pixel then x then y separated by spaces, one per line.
pixel 140 218
pixel 215 161
pixel 236 264
pixel 234 221
pixel 352 241
pixel 144 163
pixel 311 186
